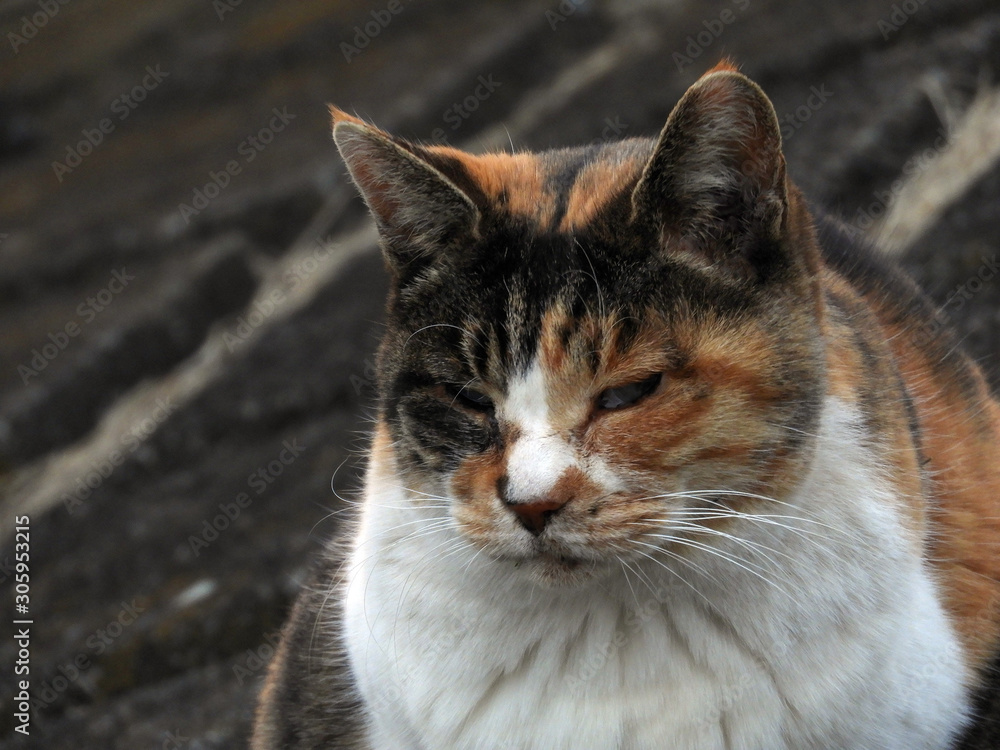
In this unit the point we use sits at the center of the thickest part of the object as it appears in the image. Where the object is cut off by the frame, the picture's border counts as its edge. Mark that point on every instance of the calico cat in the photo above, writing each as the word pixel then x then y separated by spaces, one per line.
pixel 660 462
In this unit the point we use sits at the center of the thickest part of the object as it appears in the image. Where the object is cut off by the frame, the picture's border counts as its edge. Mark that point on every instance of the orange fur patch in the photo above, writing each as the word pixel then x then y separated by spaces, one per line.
pixel 339 115
pixel 725 65
pixel 595 186
pixel 475 482
pixel 846 378
pixel 956 526
pixel 514 181
pixel 960 442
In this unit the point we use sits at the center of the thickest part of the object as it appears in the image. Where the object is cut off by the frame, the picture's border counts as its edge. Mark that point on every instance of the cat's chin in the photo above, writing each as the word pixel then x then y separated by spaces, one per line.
pixel 556 571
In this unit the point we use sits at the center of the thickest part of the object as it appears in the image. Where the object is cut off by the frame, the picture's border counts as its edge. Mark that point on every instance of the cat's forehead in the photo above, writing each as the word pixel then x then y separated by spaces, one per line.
pixel 559 191
pixel 560 273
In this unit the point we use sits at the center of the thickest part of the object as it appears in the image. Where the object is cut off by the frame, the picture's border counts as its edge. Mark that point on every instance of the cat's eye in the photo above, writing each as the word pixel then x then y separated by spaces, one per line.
pixel 626 395
pixel 475 399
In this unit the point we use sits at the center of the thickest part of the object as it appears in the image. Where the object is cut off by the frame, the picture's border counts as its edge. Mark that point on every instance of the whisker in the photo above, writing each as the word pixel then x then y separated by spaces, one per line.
pixel 673 572
pixel 744 565
pixel 625 566
pixel 747 543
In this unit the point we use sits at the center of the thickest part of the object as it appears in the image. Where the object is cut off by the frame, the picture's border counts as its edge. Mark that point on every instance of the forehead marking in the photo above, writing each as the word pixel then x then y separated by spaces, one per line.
pixel 557 190
pixel 596 185
pixel 515 181
pixel 561 179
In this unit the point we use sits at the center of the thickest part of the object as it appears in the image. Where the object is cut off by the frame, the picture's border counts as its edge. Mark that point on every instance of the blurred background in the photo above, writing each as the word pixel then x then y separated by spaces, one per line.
pixel 190 289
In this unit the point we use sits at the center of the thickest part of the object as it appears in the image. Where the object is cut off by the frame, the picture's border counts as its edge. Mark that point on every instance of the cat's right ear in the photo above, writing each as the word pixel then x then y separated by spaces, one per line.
pixel 419 211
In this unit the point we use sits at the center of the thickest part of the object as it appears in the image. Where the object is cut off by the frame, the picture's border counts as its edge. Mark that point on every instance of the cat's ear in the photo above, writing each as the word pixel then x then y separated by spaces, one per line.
pixel 715 184
pixel 419 211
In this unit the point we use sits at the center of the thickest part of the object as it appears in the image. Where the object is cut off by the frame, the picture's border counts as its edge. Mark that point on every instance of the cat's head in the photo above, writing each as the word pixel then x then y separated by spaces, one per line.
pixel 584 344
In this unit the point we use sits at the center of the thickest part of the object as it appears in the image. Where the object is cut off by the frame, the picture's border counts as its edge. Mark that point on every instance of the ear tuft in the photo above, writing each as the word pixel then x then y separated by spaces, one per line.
pixel 338 115
pixel 725 65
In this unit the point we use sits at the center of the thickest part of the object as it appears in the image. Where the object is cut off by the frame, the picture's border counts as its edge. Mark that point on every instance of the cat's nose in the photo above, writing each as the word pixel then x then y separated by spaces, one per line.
pixel 533 515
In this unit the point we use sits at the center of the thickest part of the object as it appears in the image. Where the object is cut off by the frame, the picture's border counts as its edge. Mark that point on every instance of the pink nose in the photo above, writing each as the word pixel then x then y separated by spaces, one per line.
pixel 534 515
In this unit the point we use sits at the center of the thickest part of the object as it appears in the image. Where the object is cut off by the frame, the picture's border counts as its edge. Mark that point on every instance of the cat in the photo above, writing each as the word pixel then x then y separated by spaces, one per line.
pixel 661 461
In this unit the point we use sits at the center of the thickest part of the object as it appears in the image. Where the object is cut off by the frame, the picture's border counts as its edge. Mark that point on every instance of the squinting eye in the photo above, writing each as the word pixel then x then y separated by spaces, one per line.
pixel 626 395
pixel 475 399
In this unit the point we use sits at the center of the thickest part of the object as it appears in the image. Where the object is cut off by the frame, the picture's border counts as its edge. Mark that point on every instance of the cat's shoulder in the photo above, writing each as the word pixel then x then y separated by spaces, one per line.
pixel 309 698
pixel 866 266
pixel 894 298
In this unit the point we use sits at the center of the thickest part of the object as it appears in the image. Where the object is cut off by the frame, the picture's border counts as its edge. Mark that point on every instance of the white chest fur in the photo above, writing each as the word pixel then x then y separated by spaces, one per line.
pixel 832 639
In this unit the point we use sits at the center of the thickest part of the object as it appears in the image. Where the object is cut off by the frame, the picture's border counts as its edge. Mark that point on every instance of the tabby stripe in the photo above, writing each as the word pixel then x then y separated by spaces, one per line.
pixel 561 184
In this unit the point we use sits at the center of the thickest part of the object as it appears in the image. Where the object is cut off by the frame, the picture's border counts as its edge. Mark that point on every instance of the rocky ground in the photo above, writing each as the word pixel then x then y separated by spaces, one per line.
pixel 190 292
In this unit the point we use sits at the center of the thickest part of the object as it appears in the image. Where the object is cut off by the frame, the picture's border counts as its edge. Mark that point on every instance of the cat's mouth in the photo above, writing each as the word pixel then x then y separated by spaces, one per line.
pixel 570 563
pixel 548 557
pixel 552 566
pixel 560 571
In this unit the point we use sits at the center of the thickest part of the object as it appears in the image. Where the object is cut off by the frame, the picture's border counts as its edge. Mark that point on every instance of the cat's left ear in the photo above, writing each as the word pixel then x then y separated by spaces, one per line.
pixel 418 210
pixel 715 184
